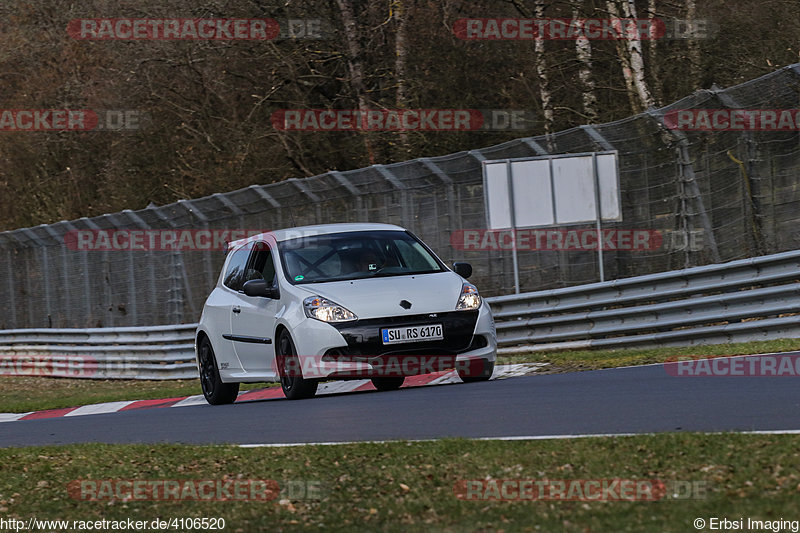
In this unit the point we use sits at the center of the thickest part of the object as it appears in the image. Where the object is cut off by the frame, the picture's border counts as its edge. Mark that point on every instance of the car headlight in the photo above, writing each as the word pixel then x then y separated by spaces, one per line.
pixel 327 311
pixel 469 299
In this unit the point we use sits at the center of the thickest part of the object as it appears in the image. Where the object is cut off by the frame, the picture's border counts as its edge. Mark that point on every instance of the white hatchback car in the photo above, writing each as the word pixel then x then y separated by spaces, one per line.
pixel 339 301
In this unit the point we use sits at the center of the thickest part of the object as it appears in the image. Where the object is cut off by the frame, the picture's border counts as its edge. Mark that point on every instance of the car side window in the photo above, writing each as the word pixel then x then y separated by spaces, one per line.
pixel 261 265
pixel 235 274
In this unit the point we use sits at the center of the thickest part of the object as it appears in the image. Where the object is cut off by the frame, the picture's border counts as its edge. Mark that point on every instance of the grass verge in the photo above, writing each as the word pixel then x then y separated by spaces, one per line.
pixel 402 486
pixel 574 360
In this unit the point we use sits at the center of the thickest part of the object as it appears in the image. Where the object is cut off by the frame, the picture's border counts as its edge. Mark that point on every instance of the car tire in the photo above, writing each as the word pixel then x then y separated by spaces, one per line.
pixel 477 370
pixel 215 391
pixel 294 385
pixel 390 383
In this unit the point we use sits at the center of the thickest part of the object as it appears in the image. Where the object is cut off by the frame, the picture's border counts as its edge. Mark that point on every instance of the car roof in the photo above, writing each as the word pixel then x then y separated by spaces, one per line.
pixel 318 229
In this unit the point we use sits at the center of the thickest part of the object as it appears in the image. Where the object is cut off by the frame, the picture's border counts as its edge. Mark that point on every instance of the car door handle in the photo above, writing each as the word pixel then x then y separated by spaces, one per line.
pixel 237 310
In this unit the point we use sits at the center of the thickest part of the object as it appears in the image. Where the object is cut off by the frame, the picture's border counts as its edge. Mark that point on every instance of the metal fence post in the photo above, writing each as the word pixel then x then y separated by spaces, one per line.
pixel 65 282
pixel 599 139
pixel 133 294
pixel 407 214
pixel 45 269
pixel 352 189
pixel 87 310
pixel 752 206
pixel 690 180
pixel 316 200
pixel 536 146
pixel 447 182
pixel 174 301
pixel 11 290
pixel 151 263
pixel 106 288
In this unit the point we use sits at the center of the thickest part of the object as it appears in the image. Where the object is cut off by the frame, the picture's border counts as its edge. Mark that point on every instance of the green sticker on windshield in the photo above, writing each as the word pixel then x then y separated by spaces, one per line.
pixel 298 278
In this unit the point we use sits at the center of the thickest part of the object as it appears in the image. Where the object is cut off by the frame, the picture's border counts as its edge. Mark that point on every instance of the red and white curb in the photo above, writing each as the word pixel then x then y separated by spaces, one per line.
pixel 334 387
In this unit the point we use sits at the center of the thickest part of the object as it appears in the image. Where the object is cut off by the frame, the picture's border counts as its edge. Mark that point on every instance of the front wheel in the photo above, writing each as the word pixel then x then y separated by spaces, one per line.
pixel 294 385
pixel 215 391
pixel 391 383
pixel 475 370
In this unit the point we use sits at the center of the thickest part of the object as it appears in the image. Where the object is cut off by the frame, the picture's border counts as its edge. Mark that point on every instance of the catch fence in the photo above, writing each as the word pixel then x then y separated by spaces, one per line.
pixel 703 197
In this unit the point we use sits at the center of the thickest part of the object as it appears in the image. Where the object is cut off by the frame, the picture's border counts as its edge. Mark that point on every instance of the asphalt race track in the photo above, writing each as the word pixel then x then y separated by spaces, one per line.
pixel 626 400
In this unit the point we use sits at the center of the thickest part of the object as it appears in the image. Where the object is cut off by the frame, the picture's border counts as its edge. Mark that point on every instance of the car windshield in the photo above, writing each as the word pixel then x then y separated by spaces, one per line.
pixel 355 255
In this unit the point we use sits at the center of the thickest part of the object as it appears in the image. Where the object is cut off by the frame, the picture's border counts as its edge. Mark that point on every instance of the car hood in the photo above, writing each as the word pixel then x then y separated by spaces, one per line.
pixel 380 297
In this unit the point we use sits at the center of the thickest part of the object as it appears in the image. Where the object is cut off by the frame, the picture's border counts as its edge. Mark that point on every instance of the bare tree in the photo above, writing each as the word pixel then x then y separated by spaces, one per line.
pixel 652 48
pixel 692 44
pixel 401 14
pixel 583 49
pixel 541 72
pixel 629 48
pixel 355 64
pixel 540 64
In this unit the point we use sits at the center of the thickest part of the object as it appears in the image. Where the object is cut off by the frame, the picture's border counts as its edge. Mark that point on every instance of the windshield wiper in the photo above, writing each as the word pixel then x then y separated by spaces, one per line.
pixel 404 273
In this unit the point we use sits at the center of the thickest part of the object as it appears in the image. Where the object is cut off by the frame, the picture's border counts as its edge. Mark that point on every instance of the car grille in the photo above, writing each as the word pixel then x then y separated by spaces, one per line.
pixel 364 336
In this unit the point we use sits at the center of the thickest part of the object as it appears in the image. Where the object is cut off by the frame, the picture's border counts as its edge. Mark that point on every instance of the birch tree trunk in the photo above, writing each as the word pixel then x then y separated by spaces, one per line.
pixel 692 45
pixel 355 65
pixel 541 73
pixel 629 48
pixel 583 49
pixel 652 50
pixel 400 15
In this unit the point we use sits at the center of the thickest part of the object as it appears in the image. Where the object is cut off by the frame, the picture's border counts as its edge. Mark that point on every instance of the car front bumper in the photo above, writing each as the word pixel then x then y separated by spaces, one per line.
pixel 357 350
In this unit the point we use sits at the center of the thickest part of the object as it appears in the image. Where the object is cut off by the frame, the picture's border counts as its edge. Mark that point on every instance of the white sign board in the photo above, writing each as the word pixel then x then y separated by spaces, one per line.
pixel 551 190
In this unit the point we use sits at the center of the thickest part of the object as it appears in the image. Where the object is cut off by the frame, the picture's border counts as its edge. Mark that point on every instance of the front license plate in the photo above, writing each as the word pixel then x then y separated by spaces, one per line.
pixel 432 332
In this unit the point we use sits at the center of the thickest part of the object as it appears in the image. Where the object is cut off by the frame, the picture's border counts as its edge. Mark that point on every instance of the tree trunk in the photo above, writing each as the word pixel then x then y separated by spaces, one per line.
pixel 583 49
pixel 541 72
pixel 354 64
pixel 652 49
pixel 401 14
pixel 693 46
pixel 629 48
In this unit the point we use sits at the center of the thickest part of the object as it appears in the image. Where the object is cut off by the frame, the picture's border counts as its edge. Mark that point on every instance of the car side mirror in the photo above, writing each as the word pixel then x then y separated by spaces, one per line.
pixel 260 287
pixel 462 269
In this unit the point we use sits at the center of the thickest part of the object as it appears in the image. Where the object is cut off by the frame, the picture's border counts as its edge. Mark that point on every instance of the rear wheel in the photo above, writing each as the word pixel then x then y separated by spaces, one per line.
pixel 215 391
pixel 392 383
pixel 294 385
pixel 475 370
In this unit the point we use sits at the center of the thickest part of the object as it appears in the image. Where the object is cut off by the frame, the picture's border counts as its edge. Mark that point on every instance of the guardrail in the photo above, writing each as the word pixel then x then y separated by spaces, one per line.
pixel 744 300
pixel 153 352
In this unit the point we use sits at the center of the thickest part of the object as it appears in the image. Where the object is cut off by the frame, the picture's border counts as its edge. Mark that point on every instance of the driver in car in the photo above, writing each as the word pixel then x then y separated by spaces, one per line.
pixel 368 261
